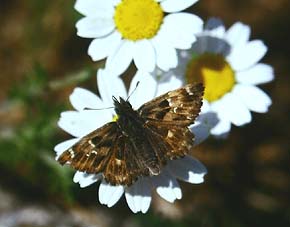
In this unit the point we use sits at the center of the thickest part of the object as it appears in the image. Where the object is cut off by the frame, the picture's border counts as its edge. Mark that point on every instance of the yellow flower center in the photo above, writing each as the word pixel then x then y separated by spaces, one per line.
pixel 138 19
pixel 214 72
pixel 115 118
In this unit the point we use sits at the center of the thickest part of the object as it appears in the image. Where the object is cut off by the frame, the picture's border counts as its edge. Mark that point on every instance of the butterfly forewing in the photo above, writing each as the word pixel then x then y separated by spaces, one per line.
pixel 168 117
pixel 178 107
pixel 140 142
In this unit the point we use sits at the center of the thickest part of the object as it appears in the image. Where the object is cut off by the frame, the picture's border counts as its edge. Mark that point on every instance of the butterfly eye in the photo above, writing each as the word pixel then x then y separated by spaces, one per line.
pixel 117 110
pixel 129 104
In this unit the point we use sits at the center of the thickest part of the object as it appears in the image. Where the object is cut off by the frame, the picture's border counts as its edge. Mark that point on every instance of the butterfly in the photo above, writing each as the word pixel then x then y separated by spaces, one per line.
pixel 140 142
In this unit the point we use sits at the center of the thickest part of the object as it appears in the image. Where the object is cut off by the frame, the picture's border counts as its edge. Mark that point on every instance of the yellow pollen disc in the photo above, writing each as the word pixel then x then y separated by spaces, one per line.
pixel 214 72
pixel 138 19
pixel 115 118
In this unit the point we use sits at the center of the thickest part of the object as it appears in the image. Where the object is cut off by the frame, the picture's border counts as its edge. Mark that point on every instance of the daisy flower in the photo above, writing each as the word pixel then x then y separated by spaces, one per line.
pixel 146 31
pixel 80 122
pixel 228 65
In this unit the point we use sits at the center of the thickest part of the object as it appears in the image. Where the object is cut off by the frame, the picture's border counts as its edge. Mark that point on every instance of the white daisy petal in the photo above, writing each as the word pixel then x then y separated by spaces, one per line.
pixel 102 47
pixel 215 27
pixel 203 125
pixel 116 2
pixel 178 72
pixel 110 85
pixel 238 34
pixel 82 123
pixel 61 147
pixel 89 180
pixel 209 44
pixel 145 91
pixel 120 60
pixel 88 27
pixel 233 109
pixel 244 56
pixel 171 6
pixel 201 45
pixel 169 85
pixel 131 202
pixel 78 176
pixel 254 98
pixel 222 128
pixel 166 56
pixel 167 186
pixel 258 74
pixel 188 169
pixel 82 98
pixel 144 56
pixel 205 106
pixel 95 7
pixel 200 131
pixel 138 196
pixel 218 32
pixel 67 122
pixel 85 179
pixel 208 117
pixel 109 195
pixel 181 37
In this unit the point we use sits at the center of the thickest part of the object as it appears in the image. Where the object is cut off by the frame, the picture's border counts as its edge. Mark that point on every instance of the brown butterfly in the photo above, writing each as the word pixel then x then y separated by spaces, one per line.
pixel 139 142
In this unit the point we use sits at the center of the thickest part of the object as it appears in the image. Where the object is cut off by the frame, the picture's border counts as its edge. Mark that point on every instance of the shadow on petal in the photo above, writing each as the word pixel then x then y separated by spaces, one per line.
pixel 201 129
pixel 167 186
pixel 211 45
pixel 188 169
pixel 138 196
pixel 213 23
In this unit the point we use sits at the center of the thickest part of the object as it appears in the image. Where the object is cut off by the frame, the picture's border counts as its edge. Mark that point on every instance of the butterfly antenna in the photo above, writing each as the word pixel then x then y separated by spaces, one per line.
pixel 133 91
pixel 106 108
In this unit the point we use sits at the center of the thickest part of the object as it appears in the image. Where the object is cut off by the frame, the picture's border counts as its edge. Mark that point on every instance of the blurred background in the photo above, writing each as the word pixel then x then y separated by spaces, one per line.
pixel 42 60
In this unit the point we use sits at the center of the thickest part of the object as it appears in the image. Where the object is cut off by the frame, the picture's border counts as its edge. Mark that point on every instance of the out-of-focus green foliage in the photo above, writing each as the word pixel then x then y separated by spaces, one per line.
pixel 28 153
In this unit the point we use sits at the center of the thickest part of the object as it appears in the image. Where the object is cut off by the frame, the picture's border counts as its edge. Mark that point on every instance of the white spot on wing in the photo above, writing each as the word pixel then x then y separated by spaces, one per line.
pixel 188 91
pixel 169 134
pixel 72 153
pixel 169 102
pixel 118 161
pixel 91 143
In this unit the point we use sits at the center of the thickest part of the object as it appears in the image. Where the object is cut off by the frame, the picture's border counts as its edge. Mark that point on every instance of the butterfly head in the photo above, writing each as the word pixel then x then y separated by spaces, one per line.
pixel 121 107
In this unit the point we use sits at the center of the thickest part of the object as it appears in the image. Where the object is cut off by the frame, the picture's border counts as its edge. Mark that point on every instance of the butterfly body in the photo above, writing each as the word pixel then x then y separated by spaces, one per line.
pixel 139 142
pixel 132 126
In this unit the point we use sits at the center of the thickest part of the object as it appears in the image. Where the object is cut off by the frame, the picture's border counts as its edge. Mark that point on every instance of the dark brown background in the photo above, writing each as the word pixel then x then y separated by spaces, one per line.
pixel 248 182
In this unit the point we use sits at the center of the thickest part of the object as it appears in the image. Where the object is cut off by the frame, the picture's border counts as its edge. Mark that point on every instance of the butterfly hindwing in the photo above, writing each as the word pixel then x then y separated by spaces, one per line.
pixel 124 165
pixel 119 158
pixel 91 153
